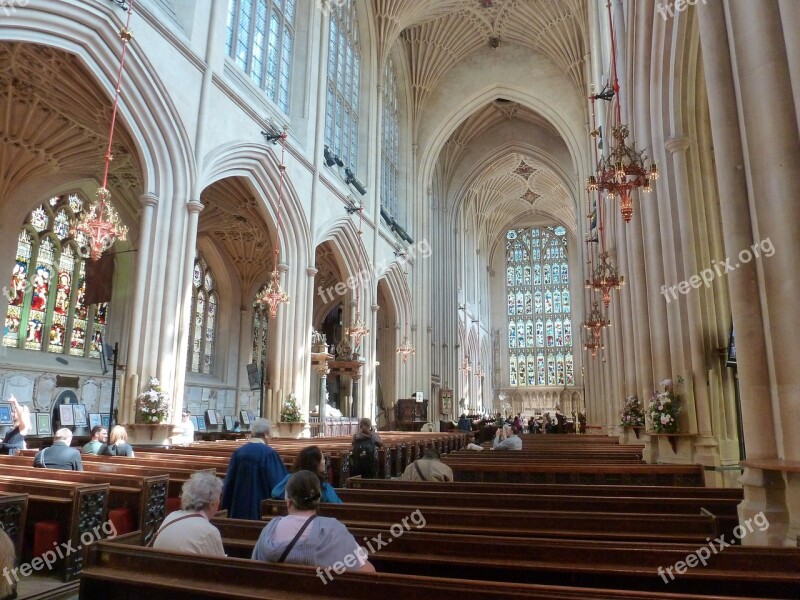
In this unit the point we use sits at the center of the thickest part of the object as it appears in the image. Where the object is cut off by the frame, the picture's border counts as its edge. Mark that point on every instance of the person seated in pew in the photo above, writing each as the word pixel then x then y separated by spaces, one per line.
pixel 59 455
pixel 253 471
pixel 471 445
pixel 428 468
pixel 118 443
pixel 188 530
pixel 309 459
pixel 187 430
pixel 98 442
pixel 303 538
pixel 14 440
pixel 507 439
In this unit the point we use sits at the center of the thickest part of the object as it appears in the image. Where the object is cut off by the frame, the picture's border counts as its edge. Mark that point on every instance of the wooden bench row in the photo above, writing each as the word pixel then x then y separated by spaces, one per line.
pixel 133 573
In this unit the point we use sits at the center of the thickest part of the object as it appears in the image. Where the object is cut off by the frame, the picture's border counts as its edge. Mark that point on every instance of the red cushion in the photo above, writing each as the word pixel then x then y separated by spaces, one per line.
pixel 121 519
pixel 173 504
pixel 46 536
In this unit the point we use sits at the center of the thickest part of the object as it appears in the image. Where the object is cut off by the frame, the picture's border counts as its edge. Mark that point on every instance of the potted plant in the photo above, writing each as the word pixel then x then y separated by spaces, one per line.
pixel 632 415
pixel 664 409
pixel 152 405
pixel 291 423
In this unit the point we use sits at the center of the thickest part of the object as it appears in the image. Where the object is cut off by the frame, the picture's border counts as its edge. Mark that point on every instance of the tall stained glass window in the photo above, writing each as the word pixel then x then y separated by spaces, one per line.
pixel 46 297
pixel 539 307
pixel 344 76
pixel 202 333
pixel 390 142
pixel 260 38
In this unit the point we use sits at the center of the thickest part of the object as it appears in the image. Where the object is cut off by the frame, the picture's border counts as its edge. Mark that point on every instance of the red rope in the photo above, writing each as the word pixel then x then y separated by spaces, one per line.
pixel 116 98
pixel 614 62
pixel 281 170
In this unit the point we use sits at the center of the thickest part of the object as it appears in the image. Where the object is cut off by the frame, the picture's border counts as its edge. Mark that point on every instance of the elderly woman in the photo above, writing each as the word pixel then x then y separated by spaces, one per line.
pixel 309 459
pixel 303 538
pixel 118 443
pixel 14 440
pixel 188 530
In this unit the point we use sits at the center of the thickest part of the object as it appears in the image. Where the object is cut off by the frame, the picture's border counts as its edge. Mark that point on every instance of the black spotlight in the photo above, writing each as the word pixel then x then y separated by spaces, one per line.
pixel 355 182
pixel 330 158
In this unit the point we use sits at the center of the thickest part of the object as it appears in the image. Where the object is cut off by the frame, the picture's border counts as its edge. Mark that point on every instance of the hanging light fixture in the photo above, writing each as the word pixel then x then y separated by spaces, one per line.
pixel 274 295
pixel 604 278
pixel 596 322
pixel 99 226
pixel 358 330
pixel 405 349
pixel 625 169
pixel 465 367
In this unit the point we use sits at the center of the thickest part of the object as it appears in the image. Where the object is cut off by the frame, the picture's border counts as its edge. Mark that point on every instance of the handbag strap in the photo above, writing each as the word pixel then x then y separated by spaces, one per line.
pixel 296 537
pixel 421 476
pixel 163 527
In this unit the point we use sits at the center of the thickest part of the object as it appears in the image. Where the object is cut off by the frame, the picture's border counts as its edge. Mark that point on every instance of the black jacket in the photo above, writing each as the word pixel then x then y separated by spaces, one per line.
pixel 59 456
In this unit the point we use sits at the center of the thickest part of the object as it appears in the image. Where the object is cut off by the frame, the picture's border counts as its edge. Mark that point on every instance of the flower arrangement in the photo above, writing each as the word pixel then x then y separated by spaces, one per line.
pixel 664 409
pixel 153 405
pixel 632 413
pixel 291 410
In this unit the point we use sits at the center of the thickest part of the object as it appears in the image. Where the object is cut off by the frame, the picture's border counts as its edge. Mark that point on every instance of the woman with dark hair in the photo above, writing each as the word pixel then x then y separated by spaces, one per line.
pixel 309 459
pixel 303 538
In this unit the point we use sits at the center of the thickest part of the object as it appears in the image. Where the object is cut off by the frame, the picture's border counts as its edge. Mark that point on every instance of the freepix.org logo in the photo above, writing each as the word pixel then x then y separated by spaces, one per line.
pixel 669 9
pixel 9 7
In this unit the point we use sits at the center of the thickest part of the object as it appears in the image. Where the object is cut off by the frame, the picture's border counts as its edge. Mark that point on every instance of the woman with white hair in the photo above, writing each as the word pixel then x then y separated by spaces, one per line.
pixel 188 530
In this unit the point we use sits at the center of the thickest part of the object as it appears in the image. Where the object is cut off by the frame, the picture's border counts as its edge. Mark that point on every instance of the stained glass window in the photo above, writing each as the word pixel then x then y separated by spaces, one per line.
pixel 390 143
pixel 260 39
pixel 344 77
pixel 46 307
pixel 539 307
pixel 202 332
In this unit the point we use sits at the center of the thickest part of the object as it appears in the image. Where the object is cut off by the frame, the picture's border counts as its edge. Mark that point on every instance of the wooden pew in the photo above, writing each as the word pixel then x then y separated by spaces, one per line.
pixel 134 573
pixel 609 474
pixel 78 507
pixel 145 496
pixel 13 508
pixel 659 528
pixel 653 491
pixel 763 572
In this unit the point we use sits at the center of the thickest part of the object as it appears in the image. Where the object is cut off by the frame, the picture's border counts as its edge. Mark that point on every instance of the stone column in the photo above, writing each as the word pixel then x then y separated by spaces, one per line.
pixel 193 209
pixel 769 132
pixel 763 492
pixel 706 446
pixel 127 403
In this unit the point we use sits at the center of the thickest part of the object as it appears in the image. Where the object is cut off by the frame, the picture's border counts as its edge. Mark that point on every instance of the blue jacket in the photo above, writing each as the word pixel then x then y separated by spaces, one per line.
pixel 328 493
pixel 254 469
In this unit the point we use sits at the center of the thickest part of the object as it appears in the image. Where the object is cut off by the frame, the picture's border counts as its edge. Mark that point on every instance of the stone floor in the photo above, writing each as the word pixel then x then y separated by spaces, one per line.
pixel 46 586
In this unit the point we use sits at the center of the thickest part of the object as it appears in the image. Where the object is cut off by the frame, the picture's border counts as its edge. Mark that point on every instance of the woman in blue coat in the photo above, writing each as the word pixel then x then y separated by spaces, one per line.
pixel 309 459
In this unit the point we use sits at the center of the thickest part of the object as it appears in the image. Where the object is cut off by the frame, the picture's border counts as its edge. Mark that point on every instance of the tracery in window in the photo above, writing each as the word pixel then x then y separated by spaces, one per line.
pixel 539 307
pixel 46 299
pixel 260 40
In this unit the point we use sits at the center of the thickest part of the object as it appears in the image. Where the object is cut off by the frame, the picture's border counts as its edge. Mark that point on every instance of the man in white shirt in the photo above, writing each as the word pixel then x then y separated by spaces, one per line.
pixel 187 430
pixel 506 439
pixel 188 530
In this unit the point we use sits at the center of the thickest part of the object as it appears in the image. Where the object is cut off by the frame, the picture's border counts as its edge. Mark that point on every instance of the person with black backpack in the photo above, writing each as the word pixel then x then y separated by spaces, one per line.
pixel 363 457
